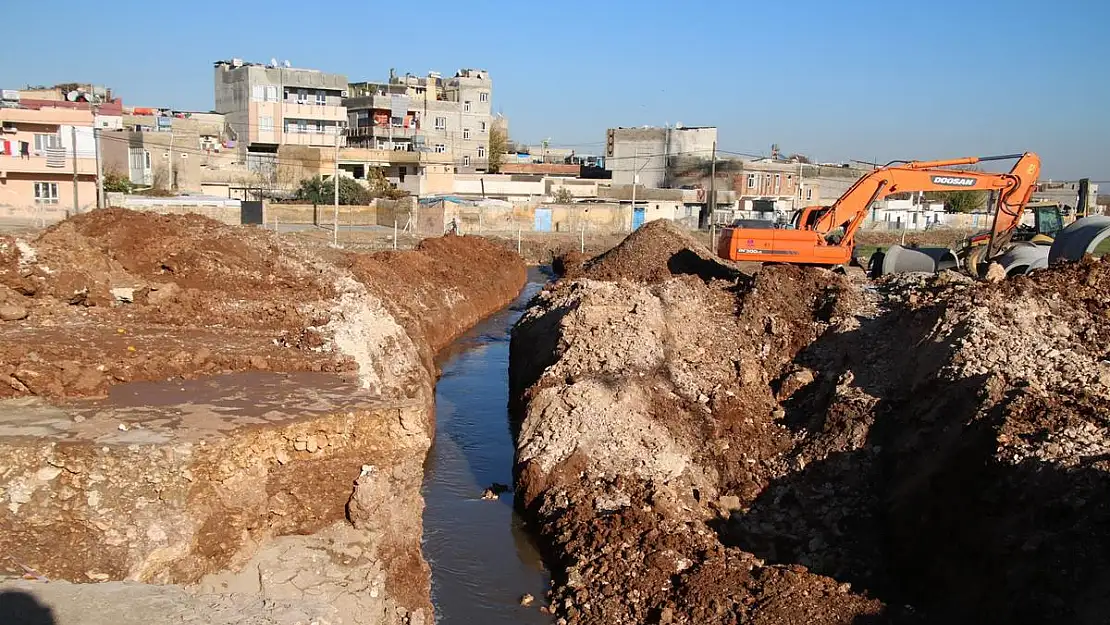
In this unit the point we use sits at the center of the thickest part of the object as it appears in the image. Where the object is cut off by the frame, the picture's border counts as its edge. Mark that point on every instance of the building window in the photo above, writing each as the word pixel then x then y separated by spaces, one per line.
pixel 482 126
pixel 751 181
pixel 809 194
pixel 440 148
pixel 396 122
pixel 302 96
pixel 401 173
pixel 266 124
pixel 466 133
pixel 466 160
pixel 778 182
pixel 302 125
pixel 46 193
pixel 483 97
pixel 146 153
pixel 321 98
pixel 258 93
pixel 271 93
pixel 466 106
pixel 441 123
pixel 43 141
pixel 481 151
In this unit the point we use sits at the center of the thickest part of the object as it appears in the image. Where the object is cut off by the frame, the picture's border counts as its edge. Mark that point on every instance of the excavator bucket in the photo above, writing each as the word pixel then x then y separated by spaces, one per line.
pixel 1082 237
pixel 901 259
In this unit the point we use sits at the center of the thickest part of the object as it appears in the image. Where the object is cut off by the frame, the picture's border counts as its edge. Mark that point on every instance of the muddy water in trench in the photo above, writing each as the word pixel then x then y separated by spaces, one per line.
pixel 482 560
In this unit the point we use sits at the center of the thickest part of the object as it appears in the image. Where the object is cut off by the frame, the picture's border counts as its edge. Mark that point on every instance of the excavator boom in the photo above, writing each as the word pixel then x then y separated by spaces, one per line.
pixel 814 241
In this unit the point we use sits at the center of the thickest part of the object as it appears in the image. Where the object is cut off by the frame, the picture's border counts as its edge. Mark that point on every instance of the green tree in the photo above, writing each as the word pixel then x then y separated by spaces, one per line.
pixel 498 144
pixel 319 191
pixel 563 196
pixel 960 201
pixel 116 182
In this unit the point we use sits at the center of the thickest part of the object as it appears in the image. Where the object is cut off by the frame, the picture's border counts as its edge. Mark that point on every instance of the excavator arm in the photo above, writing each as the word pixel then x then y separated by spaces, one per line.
pixel 810 245
pixel 1013 190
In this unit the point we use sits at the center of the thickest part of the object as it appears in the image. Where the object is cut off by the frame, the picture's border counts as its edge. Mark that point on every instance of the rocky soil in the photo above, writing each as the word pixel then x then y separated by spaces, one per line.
pixel 697 445
pixel 182 346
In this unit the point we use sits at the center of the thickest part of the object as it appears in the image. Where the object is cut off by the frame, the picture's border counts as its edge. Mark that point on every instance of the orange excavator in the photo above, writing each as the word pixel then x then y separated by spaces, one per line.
pixel 825 235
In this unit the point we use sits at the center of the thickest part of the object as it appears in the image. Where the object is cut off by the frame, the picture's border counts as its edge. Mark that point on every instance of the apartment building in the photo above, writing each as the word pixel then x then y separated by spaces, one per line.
pixel 39 148
pixel 163 149
pixel 652 155
pixel 416 113
pixel 267 106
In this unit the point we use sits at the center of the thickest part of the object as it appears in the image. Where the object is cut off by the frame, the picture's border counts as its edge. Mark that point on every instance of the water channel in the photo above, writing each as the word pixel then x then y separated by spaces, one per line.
pixel 482 560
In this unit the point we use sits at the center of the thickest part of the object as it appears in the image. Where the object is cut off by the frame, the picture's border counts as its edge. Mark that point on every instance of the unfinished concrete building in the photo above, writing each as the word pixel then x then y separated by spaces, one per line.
pixel 655 154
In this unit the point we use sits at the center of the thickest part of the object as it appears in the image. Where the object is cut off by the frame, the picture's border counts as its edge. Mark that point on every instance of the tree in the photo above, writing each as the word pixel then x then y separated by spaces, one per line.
pixel 563 196
pixel 498 144
pixel 316 190
pixel 960 201
pixel 116 182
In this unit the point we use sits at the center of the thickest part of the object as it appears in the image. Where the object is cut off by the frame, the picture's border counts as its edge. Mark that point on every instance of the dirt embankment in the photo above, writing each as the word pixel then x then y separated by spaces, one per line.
pixel 793 448
pixel 181 345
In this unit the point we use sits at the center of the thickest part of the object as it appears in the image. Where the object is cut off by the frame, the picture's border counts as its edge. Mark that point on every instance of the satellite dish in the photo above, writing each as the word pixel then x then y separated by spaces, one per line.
pixel 72 96
pixel 287 63
pixel 273 62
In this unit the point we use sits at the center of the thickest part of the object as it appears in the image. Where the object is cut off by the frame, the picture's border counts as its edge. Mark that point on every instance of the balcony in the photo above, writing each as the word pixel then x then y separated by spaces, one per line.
pixel 294 137
pixel 293 110
pixel 383 132
pixel 37 165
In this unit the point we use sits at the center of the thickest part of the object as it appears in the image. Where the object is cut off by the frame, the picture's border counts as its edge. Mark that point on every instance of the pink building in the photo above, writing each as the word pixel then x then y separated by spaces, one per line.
pixel 38 149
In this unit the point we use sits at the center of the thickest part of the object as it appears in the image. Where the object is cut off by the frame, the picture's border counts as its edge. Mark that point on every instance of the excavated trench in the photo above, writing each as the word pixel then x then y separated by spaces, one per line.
pixel 483 561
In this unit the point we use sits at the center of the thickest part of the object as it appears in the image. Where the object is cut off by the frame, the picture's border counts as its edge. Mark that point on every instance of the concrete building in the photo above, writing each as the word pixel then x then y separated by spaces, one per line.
pixel 1066 193
pixel 267 106
pixel 166 151
pixel 39 148
pixel 412 113
pixel 655 154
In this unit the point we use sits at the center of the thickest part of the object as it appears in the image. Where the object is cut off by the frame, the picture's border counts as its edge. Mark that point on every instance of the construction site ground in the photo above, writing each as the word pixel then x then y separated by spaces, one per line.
pixel 700 444
pixel 202 423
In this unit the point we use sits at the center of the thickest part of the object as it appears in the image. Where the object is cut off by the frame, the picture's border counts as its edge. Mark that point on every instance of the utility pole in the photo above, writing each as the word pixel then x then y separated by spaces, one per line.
pixel 99 169
pixel 335 179
pixel 711 198
pixel 171 181
pixel 73 138
pixel 635 175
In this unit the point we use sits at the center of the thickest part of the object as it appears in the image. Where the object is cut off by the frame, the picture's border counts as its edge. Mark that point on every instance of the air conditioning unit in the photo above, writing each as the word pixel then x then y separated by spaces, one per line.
pixel 343 93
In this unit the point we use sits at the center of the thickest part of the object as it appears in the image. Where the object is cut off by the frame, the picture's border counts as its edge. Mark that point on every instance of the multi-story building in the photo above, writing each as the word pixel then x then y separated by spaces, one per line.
pixel 163 149
pixel 652 155
pixel 267 106
pixel 40 147
pixel 444 115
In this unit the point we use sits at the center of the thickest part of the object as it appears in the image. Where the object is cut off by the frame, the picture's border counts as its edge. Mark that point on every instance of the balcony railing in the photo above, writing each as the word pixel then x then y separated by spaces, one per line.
pixel 37 165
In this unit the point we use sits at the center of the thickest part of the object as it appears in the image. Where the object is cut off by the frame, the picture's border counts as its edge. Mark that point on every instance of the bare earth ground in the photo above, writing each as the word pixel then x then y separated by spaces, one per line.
pixel 158 426
pixel 695 445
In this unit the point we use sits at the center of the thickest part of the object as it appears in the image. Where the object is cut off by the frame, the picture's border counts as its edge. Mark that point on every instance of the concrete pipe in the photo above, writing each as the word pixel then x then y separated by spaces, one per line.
pixel 1023 257
pixel 899 259
pixel 1079 238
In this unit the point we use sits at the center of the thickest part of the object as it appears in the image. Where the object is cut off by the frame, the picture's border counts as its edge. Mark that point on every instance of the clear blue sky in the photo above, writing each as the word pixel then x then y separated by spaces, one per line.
pixel 835 80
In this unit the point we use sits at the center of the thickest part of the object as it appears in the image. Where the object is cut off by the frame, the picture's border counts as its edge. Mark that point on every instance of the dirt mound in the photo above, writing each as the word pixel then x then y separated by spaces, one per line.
pixel 157 296
pixel 655 252
pixel 649 413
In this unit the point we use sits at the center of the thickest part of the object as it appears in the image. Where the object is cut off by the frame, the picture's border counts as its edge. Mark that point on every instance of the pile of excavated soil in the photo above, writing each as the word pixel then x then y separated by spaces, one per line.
pixel 647 414
pixel 791 448
pixel 207 298
pixel 657 251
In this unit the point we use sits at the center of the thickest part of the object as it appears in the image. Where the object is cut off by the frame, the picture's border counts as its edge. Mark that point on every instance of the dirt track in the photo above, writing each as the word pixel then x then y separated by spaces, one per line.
pixel 696 445
pixel 180 346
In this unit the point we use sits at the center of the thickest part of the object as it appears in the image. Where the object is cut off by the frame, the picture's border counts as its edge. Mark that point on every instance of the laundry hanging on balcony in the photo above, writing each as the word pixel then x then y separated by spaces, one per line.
pixel 55 157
